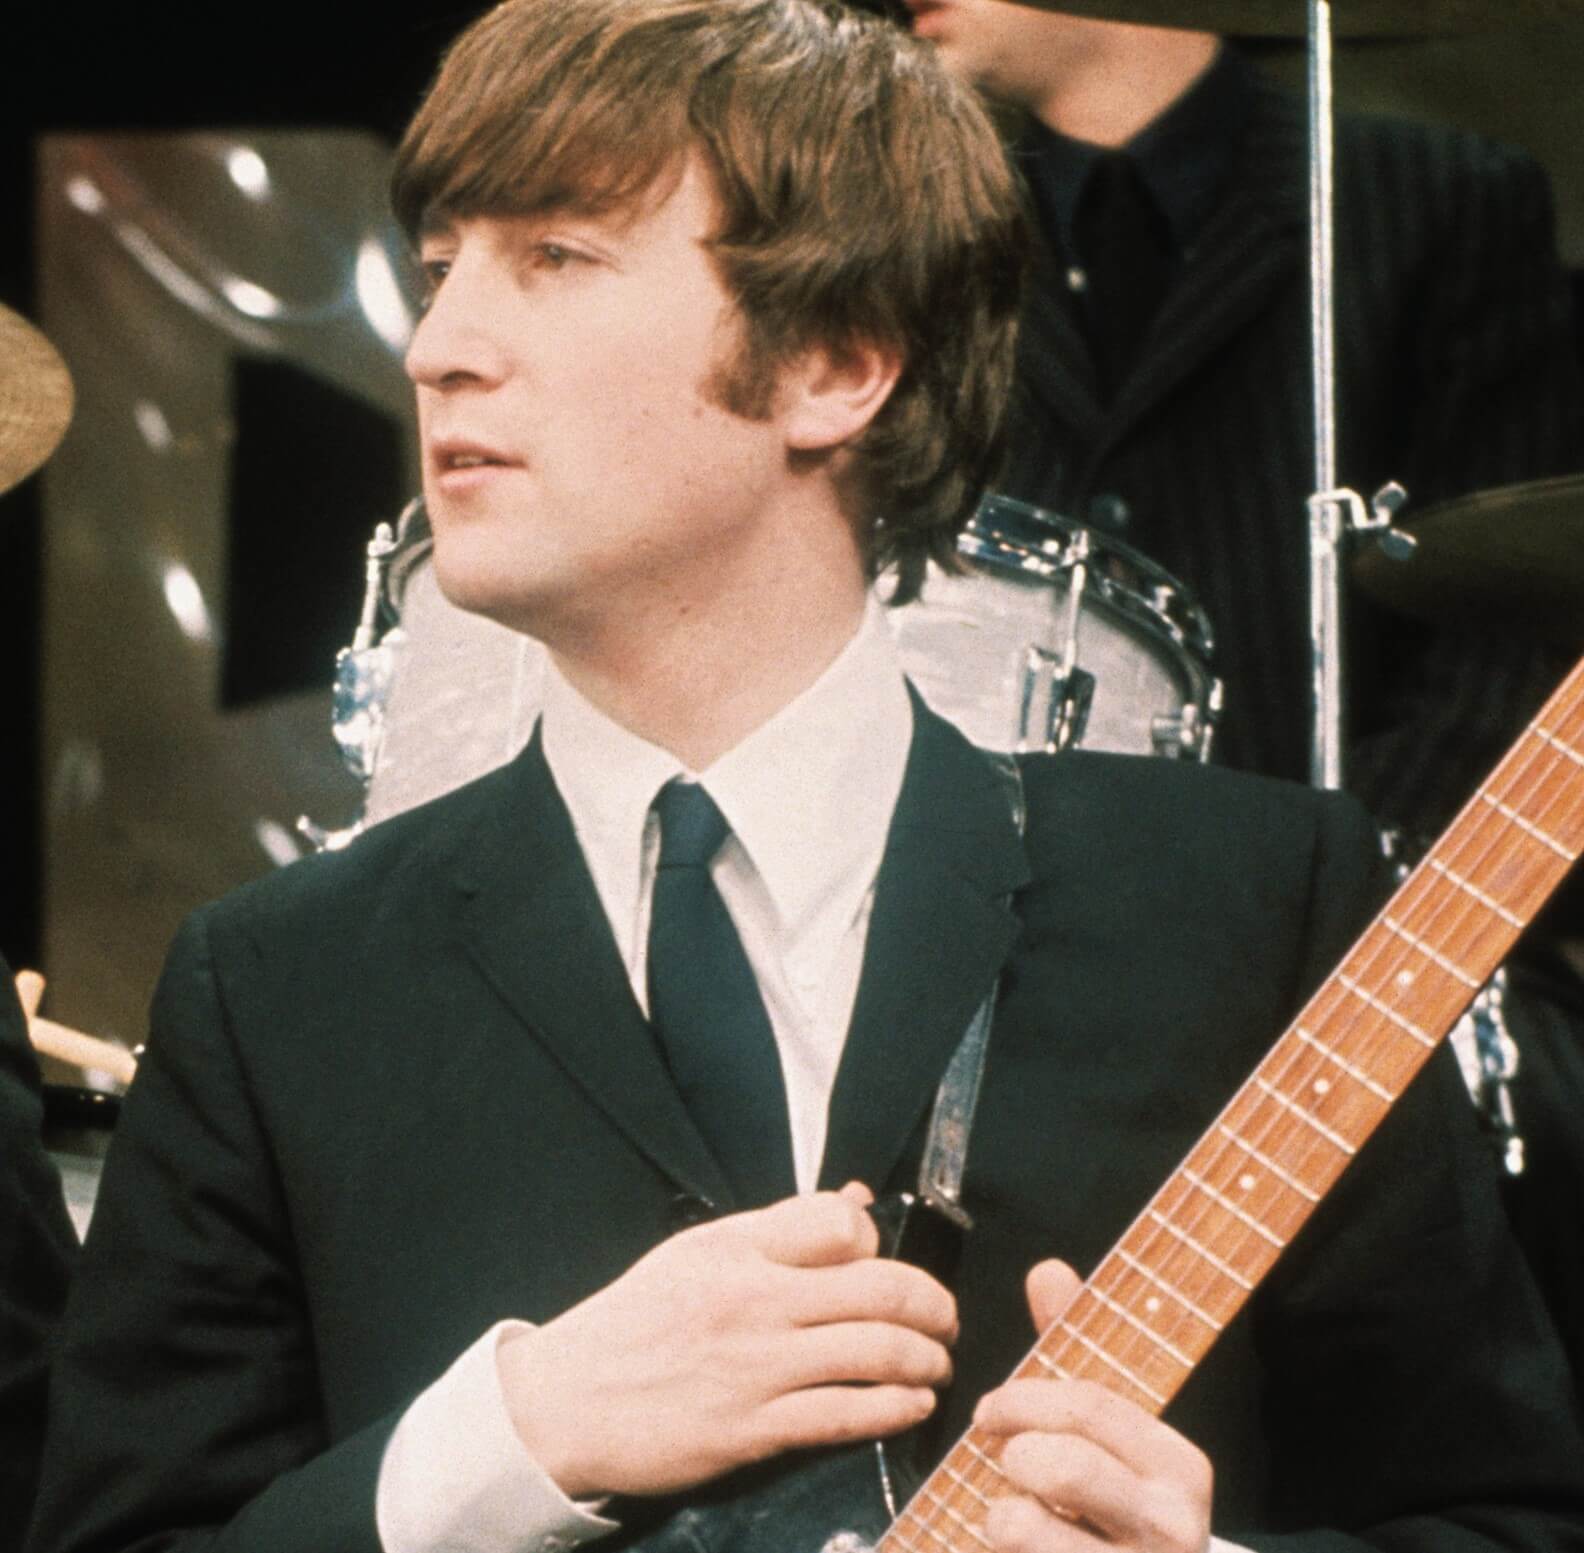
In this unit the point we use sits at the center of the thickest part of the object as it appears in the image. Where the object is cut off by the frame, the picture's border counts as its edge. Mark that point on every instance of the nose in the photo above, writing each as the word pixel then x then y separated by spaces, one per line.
pixel 454 344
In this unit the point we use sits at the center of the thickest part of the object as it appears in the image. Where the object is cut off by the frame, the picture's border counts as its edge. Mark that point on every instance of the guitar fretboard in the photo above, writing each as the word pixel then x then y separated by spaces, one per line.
pixel 1184 1268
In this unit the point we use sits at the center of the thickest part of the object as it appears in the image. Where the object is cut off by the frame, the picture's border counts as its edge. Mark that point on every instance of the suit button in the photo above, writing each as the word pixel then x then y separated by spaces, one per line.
pixel 1110 512
pixel 688 1210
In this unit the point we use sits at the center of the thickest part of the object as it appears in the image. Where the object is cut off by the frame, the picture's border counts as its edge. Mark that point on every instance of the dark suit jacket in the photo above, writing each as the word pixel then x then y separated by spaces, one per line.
pixel 395 1094
pixel 37 1244
pixel 1456 372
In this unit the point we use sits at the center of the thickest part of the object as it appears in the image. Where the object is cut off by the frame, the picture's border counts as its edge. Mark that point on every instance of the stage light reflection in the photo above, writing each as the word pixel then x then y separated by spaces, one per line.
pixel 380 296
pixel 152 424
pixel 248 172
pixel 85 194
pixel 185 600
pixel 247 298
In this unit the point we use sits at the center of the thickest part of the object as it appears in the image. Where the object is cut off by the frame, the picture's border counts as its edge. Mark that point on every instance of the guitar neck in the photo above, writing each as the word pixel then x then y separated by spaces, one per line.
pixel 1184 1268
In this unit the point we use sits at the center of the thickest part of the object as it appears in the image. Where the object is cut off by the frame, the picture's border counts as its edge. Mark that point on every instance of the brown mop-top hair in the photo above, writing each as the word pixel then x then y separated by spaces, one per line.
pixel 864 199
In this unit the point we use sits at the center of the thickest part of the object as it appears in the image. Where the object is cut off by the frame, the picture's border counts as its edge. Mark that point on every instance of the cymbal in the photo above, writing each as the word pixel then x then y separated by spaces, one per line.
pixel 35 398
pixel 1349 18
pixel 1515 553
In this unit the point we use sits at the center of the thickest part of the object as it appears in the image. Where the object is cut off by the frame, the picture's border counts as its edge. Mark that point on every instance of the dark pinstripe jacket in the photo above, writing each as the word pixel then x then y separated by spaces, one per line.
pixel 1456 373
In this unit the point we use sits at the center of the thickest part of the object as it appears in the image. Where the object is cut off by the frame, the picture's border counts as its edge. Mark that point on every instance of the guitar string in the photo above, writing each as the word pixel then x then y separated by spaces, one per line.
pixel 1380 944
pixel 1476 822
pixel 1498 834
pixel 1480 827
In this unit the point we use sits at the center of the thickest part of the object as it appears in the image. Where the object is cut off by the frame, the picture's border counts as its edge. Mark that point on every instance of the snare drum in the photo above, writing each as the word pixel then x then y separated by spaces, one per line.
pixel 1055 636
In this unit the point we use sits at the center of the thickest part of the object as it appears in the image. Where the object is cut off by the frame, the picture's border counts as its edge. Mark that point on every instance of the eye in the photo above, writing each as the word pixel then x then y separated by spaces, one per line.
pixel 553 256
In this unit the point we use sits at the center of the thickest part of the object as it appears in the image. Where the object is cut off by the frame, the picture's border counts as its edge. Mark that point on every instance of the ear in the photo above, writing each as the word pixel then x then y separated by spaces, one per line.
pixel 831 393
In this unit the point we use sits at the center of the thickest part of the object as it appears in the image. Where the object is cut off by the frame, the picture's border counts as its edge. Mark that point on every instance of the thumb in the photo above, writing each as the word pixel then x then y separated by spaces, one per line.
pixel 1051 1287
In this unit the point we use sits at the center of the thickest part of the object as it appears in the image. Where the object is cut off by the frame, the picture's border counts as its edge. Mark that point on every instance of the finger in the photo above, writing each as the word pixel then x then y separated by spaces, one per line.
pixel 818 1230
pixel 1074 1477
pixel 839 1415
pixel 873 1290
pixel 1023 1525
pixel 856 1191
pixel 1052 1286
pixel 1138 1439
pixel 30 989
pixel 862 1352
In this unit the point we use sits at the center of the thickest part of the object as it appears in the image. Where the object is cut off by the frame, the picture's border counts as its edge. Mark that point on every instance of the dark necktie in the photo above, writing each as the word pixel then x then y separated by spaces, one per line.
pixel 705 1006
pixel 1124 246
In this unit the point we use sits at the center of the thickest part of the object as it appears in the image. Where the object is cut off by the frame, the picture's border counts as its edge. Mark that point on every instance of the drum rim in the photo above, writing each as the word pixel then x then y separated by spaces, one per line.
pixel 1193 634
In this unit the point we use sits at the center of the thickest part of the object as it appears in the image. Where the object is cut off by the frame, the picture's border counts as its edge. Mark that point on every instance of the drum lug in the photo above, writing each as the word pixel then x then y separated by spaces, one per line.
pixel 1053 708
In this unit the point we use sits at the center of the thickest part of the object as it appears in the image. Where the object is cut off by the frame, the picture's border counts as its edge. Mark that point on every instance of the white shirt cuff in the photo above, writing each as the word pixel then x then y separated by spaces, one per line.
pixel 1220 1545
pixel 455 1478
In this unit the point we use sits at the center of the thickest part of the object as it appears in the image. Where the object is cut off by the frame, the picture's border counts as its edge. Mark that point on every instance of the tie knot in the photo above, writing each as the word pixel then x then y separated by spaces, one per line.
pixel 691 827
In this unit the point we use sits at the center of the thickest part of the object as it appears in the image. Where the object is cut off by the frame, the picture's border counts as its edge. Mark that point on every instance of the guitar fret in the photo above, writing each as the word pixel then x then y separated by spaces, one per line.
pixel 1050 1365
pixel 941 1507
pixel 1451 967
pixel 1144 1271
pixel 1557 744
pixel 1529 828
pixel 1232 1208
pixel 1270 1164
pixel 1336 1140
pixel 1202 1251
pixel 964 1483
pixel 1473 891
pixel 898 1532
pixel 930 1532
pixel 1407 1026
pixel 1358 1075
pixel 988 1462
pixel 1115 1364
pixel 1149 1331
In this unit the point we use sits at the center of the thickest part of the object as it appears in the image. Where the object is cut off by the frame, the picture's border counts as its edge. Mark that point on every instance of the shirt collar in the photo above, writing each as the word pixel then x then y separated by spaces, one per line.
pixel 809 794
pixel 1184 157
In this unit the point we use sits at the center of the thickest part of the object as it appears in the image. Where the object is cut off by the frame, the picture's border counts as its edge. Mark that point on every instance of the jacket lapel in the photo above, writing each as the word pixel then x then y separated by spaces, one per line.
pixel 940 929
pixel 1250 246
pixel 531 921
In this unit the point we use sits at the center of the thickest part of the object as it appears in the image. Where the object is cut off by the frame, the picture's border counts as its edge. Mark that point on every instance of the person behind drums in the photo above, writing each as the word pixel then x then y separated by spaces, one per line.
pixel 497 1182
pixel 37 1246
pixel 1164 396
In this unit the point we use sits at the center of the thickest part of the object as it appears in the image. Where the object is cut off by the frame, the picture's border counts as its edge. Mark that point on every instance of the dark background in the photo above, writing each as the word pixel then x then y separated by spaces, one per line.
pixel 172 66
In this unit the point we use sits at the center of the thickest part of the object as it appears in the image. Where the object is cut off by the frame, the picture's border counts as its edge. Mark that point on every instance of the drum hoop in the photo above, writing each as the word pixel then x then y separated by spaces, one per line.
pixel 1186 627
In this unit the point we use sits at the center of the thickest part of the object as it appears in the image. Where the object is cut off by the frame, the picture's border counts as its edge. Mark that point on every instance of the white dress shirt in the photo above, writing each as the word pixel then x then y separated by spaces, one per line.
pixel 809 797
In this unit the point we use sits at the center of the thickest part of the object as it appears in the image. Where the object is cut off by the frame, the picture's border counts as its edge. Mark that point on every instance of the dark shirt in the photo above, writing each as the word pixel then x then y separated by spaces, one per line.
pixel 1184 158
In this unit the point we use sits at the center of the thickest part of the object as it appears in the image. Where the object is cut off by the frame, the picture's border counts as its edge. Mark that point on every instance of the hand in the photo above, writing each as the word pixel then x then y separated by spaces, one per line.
pixel 1096 1470
pixel 730 1343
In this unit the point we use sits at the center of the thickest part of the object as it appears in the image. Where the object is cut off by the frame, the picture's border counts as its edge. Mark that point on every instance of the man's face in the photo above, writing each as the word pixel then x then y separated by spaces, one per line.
pixel 578 466
pixel 1012 51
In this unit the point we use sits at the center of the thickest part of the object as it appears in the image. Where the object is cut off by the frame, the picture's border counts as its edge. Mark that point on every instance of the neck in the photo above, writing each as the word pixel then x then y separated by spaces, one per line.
pixel 1123 80
pixel 696 676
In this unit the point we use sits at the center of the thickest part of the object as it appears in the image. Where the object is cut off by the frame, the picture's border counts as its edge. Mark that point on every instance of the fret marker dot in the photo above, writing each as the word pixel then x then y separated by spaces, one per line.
pixel 1153 1304
pixel 1246 1182
pixel 1322 1086
pixel 1405 978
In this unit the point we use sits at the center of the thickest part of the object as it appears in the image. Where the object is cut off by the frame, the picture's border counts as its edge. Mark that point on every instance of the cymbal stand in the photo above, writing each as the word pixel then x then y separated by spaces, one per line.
pixel 1334 513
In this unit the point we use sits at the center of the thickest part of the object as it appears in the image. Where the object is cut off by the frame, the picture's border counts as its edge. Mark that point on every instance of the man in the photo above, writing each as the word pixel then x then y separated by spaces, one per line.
pixel 36 1250
pixel 388 1255
pixel 1164 379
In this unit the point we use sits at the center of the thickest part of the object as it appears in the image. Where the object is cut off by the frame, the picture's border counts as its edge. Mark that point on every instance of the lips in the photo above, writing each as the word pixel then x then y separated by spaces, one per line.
pixel 463 455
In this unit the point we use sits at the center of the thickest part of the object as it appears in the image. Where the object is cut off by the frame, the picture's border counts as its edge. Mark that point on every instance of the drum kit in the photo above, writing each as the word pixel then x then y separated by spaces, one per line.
pixel 1050 637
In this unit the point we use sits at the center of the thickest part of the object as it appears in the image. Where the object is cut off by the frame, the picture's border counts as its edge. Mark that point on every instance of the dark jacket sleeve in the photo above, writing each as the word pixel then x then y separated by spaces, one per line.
pixel 36 1249
pixel 186 1411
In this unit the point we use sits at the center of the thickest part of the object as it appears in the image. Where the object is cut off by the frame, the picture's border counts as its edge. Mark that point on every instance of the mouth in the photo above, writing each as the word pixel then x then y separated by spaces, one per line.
pixel 452 459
